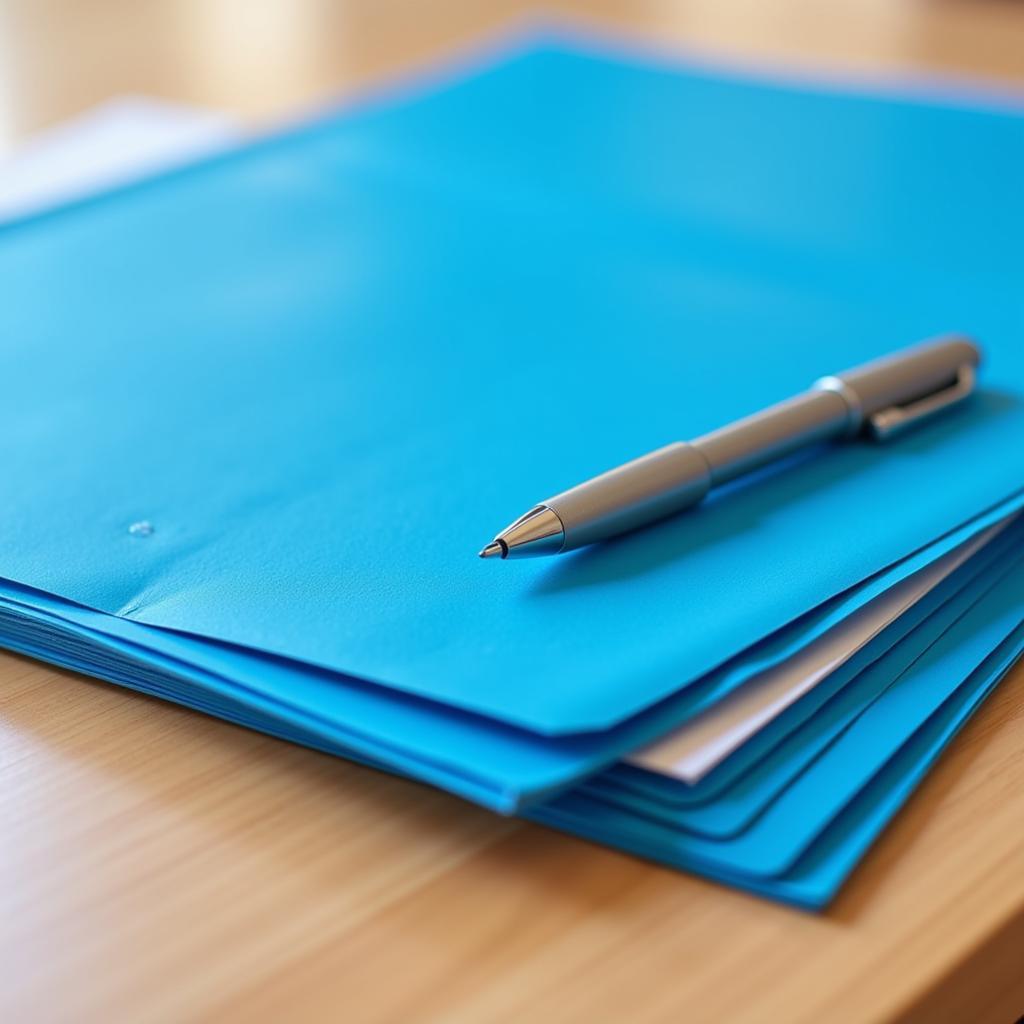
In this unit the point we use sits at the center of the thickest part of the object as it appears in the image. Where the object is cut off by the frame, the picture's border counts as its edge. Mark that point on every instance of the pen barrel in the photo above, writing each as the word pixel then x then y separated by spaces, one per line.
pixel 632 495
pixel 773 433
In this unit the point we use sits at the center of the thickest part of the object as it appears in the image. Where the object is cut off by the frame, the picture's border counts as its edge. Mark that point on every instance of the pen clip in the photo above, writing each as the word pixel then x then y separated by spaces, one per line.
pixel 892 421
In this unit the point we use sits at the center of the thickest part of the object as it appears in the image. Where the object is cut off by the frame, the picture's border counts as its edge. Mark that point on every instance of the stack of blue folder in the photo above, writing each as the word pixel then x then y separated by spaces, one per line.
pixel 261 412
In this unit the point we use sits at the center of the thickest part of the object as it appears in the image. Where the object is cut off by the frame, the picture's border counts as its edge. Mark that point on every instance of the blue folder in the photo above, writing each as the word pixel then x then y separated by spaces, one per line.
pixel 262 411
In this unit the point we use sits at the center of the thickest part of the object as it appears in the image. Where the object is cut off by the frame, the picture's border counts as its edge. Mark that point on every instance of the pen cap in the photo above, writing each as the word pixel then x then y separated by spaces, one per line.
pixel 905 377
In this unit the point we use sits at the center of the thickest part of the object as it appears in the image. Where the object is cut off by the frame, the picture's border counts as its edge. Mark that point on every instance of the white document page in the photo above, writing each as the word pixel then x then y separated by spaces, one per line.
pixel 705 741
pixel 117 142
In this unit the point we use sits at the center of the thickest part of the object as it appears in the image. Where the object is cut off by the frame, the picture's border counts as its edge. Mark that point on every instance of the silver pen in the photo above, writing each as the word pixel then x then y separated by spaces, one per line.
pixel 880 399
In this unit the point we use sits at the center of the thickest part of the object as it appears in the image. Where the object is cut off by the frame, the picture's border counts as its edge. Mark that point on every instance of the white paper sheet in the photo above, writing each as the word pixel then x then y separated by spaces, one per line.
pixel 705 741
pixel 119 141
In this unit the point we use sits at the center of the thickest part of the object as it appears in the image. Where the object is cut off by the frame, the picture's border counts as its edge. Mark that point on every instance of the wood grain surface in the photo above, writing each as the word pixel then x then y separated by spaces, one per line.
pixel 158 865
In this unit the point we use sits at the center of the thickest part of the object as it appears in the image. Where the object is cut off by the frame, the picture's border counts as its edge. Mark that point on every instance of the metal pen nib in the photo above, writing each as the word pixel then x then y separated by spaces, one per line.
pixel 539 532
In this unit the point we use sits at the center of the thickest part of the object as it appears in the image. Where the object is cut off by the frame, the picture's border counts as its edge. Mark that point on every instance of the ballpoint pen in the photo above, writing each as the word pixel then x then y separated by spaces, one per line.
pixel 879 399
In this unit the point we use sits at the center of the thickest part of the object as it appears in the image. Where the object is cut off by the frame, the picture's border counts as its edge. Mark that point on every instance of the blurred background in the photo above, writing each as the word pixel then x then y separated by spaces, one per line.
pixel 262 59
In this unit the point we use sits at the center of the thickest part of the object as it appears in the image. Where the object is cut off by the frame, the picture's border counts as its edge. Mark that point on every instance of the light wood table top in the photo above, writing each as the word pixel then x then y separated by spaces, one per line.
pixel 158 865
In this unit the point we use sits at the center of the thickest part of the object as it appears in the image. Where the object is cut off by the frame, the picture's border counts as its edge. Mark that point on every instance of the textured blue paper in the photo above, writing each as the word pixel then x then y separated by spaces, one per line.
pixel 723 811
pixel 822 822
pixel 297 363
pixel 474 756
pixel 812 838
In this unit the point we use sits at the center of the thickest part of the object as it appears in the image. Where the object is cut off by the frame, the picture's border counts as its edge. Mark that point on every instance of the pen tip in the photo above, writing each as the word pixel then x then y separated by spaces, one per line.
pixel 494 549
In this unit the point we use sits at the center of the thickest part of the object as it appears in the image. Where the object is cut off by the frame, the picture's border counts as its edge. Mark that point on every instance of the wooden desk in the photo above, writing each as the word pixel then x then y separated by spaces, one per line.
pixel 157 865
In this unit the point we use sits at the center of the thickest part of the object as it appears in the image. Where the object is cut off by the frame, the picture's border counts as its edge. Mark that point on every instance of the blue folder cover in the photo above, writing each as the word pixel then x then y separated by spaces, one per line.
pixel 296 363
pixel 323 368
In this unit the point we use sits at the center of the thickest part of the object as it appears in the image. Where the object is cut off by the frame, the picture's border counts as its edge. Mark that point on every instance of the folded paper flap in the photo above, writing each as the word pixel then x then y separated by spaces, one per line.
pixel 292 365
